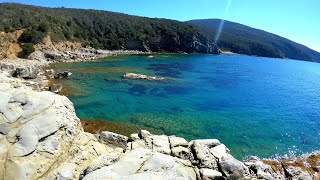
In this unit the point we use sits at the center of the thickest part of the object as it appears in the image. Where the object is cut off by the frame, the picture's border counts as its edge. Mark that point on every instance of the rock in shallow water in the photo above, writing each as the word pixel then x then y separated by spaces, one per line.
pixel 56 88
pixel 142 76
pixel 61 75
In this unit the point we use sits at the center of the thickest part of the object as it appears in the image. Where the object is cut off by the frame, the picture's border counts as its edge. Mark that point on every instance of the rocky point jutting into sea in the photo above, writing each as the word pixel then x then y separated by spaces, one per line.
pixel 42 138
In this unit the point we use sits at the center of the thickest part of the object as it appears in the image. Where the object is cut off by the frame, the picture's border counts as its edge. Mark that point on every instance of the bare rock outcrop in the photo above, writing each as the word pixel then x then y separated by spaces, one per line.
pixel 41 135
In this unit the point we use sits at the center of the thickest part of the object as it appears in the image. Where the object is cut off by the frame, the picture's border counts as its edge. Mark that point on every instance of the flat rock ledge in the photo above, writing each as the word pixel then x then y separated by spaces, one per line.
pixel 41 138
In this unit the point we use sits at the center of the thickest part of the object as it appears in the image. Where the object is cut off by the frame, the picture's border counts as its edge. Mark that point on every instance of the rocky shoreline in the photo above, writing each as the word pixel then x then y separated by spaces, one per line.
pixel 42 138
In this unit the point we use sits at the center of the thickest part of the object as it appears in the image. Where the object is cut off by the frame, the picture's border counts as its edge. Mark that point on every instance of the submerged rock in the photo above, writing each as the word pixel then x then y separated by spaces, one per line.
pixel 61 75
pixel 142 76
pixel 56 88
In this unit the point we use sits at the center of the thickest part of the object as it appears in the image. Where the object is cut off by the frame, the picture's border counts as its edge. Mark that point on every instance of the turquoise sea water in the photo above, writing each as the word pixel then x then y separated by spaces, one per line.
pixel 256 106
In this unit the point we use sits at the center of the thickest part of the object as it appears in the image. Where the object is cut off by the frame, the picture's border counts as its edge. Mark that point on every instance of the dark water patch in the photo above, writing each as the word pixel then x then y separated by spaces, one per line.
pixel 222 82
pixel 176 109
pixel 178 89
pixel 112 81
pixel 173 70
pixel 106 69
pixel 158 92
pixel 169 73
pixel 92 105
pixel 138 90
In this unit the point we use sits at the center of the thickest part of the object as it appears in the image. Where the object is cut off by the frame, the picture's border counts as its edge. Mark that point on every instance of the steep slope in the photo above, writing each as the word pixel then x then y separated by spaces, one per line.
pixel 101 29
pixel 242 39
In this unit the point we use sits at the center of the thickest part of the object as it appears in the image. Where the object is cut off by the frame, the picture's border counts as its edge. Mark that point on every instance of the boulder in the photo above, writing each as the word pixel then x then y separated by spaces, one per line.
pixel 203 157
pixel 210 143
pixel 137 144
pixel 144 133
pixel 8 67
pixel 160 144
pixel 166 167
pixel 177 141
pixel 233 168
pixel 219 151
pixel 56 88
pixel 210 174
pixel 181 152
pixel 134 137
pixel 114 139
pixel 261 170
pixel 30 72
pixel 61 75
pixel 49 73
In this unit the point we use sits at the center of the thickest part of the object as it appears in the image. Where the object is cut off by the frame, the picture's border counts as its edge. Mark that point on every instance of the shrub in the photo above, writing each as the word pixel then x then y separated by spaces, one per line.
pixel 27 49
pixel 44 27
pixel 31 36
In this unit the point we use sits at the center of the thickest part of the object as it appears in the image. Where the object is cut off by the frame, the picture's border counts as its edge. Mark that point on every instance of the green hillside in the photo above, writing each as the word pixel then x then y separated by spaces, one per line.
pixel 242 39
pixel 102 29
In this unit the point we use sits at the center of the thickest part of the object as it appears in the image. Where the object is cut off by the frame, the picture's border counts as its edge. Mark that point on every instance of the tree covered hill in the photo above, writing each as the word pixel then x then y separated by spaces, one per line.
pixel 242 39
pixel 109 30
pixel 102 29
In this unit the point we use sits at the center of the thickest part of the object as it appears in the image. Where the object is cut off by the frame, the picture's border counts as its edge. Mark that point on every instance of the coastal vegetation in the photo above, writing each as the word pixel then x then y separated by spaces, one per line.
pixel 114 31
pixel 242 39
pixel 101 29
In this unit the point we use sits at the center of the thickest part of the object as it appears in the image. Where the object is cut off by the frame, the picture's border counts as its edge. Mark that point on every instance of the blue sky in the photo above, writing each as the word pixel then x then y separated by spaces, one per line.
pixel 298 20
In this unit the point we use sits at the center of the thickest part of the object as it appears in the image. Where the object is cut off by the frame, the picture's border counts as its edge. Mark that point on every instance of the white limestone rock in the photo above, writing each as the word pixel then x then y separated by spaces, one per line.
pixel 134 137
pixel 129 164
pixel 203 157
pixel 233 168
pixel 114 139
pixel 137 144
pixel 102 161
pixel 66 172
pixel 210 174
pixel 142 163
pixel 181 152
pixel 161 144
pixel 219 151
pixel 144 133
pixel 177 141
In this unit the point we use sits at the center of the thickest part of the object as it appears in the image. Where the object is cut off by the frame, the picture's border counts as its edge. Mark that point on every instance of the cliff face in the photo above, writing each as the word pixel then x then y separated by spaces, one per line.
pixel 9 45
pixel 42 138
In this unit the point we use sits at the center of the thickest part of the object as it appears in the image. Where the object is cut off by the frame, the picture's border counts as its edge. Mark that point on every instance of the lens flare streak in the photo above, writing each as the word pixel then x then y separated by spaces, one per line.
pixel 226 11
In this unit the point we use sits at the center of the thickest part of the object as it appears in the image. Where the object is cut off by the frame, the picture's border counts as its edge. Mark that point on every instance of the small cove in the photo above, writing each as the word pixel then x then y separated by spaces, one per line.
pixel 256 106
